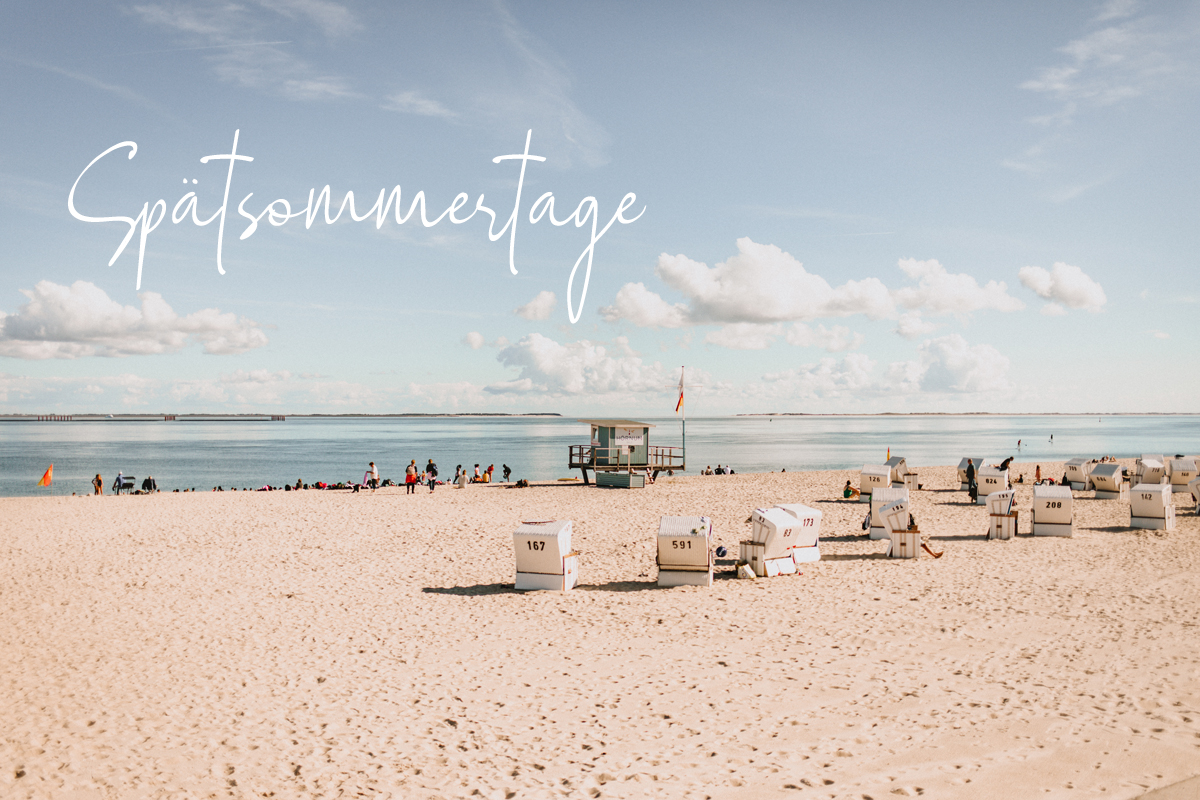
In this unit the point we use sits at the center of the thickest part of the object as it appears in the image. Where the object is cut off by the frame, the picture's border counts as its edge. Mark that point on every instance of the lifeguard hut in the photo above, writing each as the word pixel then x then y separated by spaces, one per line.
pixel 620 454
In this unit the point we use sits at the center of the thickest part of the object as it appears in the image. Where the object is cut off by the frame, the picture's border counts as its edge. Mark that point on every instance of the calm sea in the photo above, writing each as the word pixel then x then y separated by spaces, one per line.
pixel 250 454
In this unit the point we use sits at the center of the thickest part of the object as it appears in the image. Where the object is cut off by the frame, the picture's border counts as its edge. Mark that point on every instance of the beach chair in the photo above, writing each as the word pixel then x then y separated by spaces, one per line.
pixel 962 471
pixel 1181 472
pixel 806 546
pixel 685 551
pixel 899 468
pixel 1109 482
pixel 1150 507
pixel 878 500
pixel 544 556
pixel 1053 508
pixel 1149 469
pixel 910 481
pixel 1002 520
pixel 872 477
pixel 768 551
pixel 990 479
pixel 1078 470
pixel 903 541
pixel 1194 488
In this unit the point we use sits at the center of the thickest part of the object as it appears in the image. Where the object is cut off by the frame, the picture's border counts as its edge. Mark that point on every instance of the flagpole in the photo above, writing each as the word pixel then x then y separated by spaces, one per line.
pixel 683 407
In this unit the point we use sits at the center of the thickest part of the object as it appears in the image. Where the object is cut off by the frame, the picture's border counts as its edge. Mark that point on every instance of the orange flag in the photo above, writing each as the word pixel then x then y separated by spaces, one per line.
pixel 49 476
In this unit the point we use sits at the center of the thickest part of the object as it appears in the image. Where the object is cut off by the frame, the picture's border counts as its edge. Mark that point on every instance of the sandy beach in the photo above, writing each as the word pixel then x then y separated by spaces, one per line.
pixel 328 644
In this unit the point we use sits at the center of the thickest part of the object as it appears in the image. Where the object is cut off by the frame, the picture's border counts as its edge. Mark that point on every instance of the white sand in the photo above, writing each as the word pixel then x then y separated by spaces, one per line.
pixel 328 644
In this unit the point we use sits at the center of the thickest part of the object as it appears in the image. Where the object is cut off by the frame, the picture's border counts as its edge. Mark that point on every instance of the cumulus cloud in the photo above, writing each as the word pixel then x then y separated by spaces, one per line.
pixel 1064 285
pixel 950 364
pixel 645 308
pixel 539 308
pixel 939 292
pixel 911 326
pixel 474 340
pixel 81 320
pixel 577 368
pixel 762 287
pixel 762 284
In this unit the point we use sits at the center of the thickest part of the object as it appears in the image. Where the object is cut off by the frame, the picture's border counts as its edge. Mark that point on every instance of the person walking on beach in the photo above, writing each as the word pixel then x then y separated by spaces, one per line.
pixel 972 487
pixel 431 474
pixel 371 476
pixel 410 477
pixel 98 485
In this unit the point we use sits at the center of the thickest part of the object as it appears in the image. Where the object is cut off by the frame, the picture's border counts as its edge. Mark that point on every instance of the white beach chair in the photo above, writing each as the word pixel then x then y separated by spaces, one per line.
pixel 1109 482
pixel 1053 508
pixel 1078 470
pixel 899 468
pixel 544 556
pixel 872 477
pixel 1002 520
pixel 1181 471
pixel 878 500
pixel 910 481
pixel 962 471
pixel 1150 507
pixel 903 542
pixel 1149 469
pixel 768 551
pixel 990 479
pixel 806 545
pixel 685 551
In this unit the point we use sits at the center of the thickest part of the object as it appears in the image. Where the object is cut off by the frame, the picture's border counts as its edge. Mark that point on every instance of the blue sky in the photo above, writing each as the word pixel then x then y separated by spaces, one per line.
pixel 850 207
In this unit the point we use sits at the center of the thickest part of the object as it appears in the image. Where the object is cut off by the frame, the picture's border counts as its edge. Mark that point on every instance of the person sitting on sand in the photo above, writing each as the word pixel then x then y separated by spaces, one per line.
pixel 849 492
pixel 477 477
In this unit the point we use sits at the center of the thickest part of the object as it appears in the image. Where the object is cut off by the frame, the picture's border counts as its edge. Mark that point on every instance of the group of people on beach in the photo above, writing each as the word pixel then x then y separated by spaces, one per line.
pixel 720 470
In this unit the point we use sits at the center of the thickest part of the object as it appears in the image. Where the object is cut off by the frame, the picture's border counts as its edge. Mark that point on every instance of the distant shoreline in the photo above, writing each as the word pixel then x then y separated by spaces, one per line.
pixel 268 417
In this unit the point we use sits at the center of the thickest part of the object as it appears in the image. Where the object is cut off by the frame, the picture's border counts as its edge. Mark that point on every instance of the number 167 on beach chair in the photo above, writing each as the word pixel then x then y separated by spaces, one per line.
pixel 544 556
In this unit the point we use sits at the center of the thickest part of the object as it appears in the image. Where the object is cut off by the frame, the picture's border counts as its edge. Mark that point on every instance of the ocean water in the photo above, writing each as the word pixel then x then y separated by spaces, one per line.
pixel 202 455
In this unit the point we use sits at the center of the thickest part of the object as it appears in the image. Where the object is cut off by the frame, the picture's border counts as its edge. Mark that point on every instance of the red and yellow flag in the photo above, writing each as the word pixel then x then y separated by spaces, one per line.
pixel 679 405
pixel 49 476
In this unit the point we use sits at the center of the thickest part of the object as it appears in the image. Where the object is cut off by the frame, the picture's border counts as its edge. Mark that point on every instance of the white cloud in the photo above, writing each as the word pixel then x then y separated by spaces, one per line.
pixel 1064 285
pixel 539 308
pixel 752 293
pixel 950 364
pixel 911 326
pixel 578 368
pixel 762 284
pixel 413 102
pixel 939 292
pixel 1160 334
pixel 81 320
pixel 474 340
pixel 645 309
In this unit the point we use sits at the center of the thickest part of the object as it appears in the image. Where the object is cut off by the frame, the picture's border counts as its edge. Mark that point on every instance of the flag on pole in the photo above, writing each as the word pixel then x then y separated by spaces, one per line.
pixel 889 456
pixel 679 405
pixel 49 476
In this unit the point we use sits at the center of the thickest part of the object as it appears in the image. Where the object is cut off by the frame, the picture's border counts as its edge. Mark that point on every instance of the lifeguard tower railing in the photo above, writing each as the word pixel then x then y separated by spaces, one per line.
pixel 613 459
